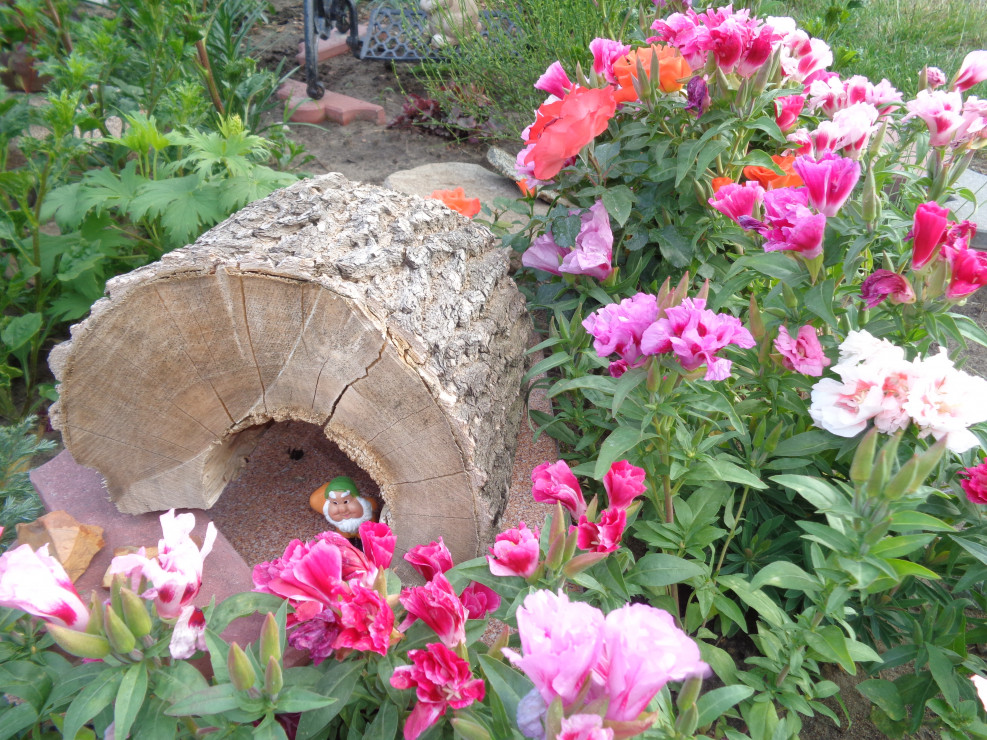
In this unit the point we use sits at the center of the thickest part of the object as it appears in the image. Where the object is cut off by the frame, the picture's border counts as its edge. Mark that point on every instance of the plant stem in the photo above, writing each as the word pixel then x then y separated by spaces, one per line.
pixel 217 102
pixel 733 530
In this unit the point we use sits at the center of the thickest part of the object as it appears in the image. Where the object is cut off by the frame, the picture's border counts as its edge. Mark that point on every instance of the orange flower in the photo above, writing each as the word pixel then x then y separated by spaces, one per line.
pixel 671 68
pixel 563 127
pixel 526 190
pixel 457 201
pixel 769 179
pixel 719 182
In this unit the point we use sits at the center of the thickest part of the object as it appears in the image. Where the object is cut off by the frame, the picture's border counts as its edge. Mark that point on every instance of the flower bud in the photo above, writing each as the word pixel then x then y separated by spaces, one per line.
pixel 582 562
pixel 121 639
pixel 79 644
pixel 468 729
pixel 689 693
pixel 270 640
pixel 95 625
pixel 273 678
pixel 863 458
pixel 135 613
pixel 755 321
pixel 242 674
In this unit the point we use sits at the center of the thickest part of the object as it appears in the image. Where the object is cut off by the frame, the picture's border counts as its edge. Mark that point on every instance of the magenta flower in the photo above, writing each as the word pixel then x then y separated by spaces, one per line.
pixel 787 111
pixel 605 52
pixel 942 112
pixel 189 633
pixel 972 71
pixel 632 676
pixel 695 334
pixel 736 201
pixel 603 536
pixel 479 600
pixel 378 543
pixel 883 284
pixel 365 620
pixel 438 606
pixel 175 575
pixel 561 644
pixel 974 482
pixel 928 229
pixel 788 223
pixel 584 727
pixel 551 482
pixel 803 354
pixel 618 327
pixel 967 272
pixel 697 95
pixel 441 679
pixel 317 636
pixel 623 482
pixel 515 552
pixel 36 583
pixel 554 81
pixel 617 368
pixel 828 180
pixel 591 254
pixel 430 559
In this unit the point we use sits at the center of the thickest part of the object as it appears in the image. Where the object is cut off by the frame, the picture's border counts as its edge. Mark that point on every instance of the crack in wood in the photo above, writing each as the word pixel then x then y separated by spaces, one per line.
pixel 250 343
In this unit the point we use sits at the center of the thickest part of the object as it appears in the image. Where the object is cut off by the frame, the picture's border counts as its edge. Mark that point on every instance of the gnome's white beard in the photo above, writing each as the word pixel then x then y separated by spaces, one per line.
pixel 350 525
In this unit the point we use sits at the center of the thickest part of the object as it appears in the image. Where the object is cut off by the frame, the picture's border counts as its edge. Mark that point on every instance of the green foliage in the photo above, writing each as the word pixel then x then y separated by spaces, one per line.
pixel 84 203
pixel 19 502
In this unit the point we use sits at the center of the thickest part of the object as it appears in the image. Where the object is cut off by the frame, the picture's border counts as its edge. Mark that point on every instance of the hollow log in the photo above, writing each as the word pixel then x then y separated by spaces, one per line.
pixel 388 320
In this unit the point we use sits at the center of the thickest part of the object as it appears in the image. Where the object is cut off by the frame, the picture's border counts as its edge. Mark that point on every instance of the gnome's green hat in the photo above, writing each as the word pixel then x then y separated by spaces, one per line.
pixel 342 483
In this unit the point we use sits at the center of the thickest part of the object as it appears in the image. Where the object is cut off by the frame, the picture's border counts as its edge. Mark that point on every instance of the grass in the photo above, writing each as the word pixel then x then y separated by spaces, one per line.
pixel 895 39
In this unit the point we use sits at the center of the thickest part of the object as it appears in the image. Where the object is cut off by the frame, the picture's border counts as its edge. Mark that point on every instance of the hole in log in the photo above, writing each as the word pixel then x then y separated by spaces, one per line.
pixel 267 505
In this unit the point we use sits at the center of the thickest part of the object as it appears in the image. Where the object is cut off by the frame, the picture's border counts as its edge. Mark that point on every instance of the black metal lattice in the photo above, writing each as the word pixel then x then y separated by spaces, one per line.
pixel 397 35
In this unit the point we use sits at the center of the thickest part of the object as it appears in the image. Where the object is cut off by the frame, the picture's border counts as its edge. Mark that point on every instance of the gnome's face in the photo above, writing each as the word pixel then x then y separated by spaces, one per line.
pixel 345 511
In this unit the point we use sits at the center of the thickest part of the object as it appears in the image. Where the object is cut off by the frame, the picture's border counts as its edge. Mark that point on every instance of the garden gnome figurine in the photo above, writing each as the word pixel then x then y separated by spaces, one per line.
pixel 341 504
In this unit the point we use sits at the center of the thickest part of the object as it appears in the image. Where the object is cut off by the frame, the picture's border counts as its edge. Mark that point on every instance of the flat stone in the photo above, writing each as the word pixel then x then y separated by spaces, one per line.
pixel 476 182
pixel 333 46
pixel 341 109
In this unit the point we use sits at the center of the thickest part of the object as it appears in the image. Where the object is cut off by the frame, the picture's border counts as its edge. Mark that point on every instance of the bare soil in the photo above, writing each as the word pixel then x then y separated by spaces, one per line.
pixel 360 150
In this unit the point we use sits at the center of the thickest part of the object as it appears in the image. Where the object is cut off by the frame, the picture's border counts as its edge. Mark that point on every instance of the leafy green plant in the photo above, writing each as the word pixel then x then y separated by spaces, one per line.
pixel 19 446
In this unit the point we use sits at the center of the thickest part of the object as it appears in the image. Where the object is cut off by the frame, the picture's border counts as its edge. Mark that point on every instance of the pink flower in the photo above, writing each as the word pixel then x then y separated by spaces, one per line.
pixel 36 583
pixel 942 112
pixel 803 354
pixel 844 408
pixel 623 482
pixel 515 552
pixel 967 272
pixel 479 600
pixel 883 284
pixel 561 644
pixel 175 575
pixel 554 81
pixel 441 679
pixel 617 368
pixel 189 633
pixel 317 635
pixel 633 675
pixel 605 52
pixel 584 727
pixel 788 223
pixel 695 335
pixel 972 71
pixel 378 543
pixel 603 536
pixel 618 327
pixel 364 619
pixel 973 125
pixel 551 482
pixel 591 254
pixel 787 111
pixel 438 606
pixel 430 559
pixel 803 56
pixel 833 95
pixel 935 77
pixel 828 180
pixel 736 201
pixel 945 402
pixel 928 229
pixel 308 575
pixel 975 482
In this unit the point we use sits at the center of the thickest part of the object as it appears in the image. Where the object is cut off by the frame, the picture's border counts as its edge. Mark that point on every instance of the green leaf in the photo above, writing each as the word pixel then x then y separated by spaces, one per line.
pixel 756 599
pixel 724 470
pixel 807 443
pixel 625 384
pixel 783 574
pixel 591 382
pixel 944 674
pixel 385 724
pixel 130 698
pixel 242 605
pixel 92 700
pixel 339 682
pixel 177 681
pixel 819 300
pixel 620 440
pixel 77 678
pixel 830 643
pixel 773 264
pixel 906 568
pixel 660 569
pixel 675 247
pixel 885 695
pixel 974 548
pixel 893 547
pixel 509 684
pixel 16 718
pixel 904 521
pixel 684 159
pixel 618 201
pixel 760 158
pixel 819 493
pixel 184 204
pixel 295 699
pixel 710 151
pixel 269 729
pixel 552 361
pixel 713 704
pixel 213 700
pixel 21 330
